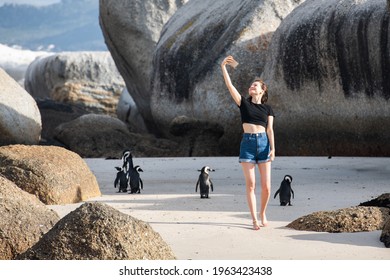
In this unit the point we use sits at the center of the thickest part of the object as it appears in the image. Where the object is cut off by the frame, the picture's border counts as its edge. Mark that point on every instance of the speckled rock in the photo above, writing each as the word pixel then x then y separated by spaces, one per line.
pixel 53 174
pixel 24 220
pixel 353 219
pixel 95 231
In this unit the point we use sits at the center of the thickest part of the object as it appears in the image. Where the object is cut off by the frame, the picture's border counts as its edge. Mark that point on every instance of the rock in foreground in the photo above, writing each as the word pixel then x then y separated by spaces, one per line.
pixel 53 174
pixel 385 236
pixel 95 231
pixel 24 219
pixel 353 219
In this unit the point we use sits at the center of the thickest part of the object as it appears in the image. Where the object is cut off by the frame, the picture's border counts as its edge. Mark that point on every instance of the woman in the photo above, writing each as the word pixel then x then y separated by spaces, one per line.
pixel 257 144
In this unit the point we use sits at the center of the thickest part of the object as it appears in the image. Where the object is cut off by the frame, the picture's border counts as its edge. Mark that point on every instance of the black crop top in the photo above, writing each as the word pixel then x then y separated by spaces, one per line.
pixel 255 113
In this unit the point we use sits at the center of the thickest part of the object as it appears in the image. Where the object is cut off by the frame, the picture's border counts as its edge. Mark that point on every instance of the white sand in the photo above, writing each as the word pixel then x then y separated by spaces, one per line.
pixel 219 228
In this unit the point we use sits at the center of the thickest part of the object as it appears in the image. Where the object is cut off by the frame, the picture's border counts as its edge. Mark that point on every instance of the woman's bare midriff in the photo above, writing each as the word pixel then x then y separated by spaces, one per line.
pixel 252 128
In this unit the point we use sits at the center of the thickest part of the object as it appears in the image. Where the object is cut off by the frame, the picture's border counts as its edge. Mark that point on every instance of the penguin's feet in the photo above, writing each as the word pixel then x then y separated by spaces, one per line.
pixel 256 225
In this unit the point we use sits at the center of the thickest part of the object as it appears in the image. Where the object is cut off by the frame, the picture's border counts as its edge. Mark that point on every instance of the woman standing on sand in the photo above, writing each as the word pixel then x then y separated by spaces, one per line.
pixel 257 145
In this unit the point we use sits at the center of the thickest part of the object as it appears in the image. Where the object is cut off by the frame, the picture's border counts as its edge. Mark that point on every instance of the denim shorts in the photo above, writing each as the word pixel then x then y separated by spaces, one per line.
pixel 254 148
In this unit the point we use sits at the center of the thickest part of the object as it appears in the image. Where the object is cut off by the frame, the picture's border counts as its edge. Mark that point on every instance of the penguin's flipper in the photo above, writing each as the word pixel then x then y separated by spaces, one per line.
pixel 276 193
pixel 142 183
pixel 116 181
pixel 292 193
pixel 197 184
pixel 212 186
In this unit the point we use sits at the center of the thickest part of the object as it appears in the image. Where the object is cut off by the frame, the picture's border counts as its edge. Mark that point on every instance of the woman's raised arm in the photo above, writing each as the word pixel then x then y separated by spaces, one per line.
pixel 233 91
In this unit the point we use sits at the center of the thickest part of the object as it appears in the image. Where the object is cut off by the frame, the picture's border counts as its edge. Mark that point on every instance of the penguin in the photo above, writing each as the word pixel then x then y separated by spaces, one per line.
pixel 285 191
pixel 136 183
pixel 204 182
pixel 127 161
pixel 121 180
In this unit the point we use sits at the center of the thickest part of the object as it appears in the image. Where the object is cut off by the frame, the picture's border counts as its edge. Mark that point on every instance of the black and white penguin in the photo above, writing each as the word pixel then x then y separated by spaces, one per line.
pixel 136 183
pixel 285 191
pixel 204 182
pixel 121 180
pixel 127 161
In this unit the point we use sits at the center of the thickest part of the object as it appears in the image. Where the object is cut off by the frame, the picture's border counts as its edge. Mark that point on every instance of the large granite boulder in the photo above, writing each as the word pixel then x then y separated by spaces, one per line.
pixel 20 120
pixel 187 77
pixel 53 174
pixel 328 74
pixel 96 231
pixel 24 220
pixel 88 79
pixel 352 219
pixel 131 29
pixel 97 136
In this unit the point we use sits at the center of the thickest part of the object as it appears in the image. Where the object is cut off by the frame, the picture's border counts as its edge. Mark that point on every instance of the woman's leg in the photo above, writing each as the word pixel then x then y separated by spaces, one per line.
pixel 250 182
pixel 265 173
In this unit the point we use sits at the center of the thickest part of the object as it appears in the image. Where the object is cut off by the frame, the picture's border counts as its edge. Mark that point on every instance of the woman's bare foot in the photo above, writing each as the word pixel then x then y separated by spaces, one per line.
pixel 256 225
pixel 264 221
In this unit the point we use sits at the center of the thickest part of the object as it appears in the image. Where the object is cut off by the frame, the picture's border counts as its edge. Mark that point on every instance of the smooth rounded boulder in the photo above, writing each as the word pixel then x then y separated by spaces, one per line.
pixel 187 79
pixel 86 79
pixel 131 29
pixel 96 231
pixel 328 76
pixel 53 174
pixel 20 119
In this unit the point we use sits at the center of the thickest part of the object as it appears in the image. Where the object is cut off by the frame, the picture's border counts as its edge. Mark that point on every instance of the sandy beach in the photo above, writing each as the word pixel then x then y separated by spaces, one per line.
pixel 219 228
